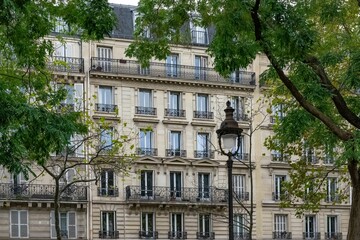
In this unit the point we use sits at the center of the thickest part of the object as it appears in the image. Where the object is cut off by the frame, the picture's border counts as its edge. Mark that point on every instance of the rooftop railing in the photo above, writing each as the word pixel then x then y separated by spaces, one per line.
pixel 40 192
pixel 183 72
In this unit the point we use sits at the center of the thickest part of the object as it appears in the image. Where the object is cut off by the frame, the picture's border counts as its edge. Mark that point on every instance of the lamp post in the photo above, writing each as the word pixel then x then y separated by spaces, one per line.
pixel 229 135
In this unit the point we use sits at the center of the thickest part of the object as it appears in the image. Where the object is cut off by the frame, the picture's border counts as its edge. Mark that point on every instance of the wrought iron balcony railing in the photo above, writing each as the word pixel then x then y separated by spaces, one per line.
pixel 332 198
pixel 174 112
pixel 148 234
pixel 179 195
pixel 175 153
pixel 279 157
pixel 41 192
pixel 122 66
pixel 147 151
pixel 199 37
pixel 145 110
pixel 108 192
pixel 242 156
pixel 241 236
pixel 282 235
pixel 67 107
pixel 102 107
pixel 66 64
pixel 276 196
pixel 333 236
pixel 241 196
pixel 204 154
pixel 203 114
pixel 311 235
pixel 177 235
pixel 109 234
pixel 241 117
pixel 205 235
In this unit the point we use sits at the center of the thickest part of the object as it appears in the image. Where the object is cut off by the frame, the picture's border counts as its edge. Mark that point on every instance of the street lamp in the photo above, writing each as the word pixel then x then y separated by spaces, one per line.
pixel 229 135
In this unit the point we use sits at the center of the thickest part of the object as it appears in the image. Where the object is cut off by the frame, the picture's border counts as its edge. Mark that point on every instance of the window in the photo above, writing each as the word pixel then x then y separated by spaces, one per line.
pixel 239 76
pixel 176 226
pixel 203 146
pixel 146 31
pixel 106 99
pixel 201 64
pixel 107 183
pixel 172 65
pixel 329 155
pixel 146 184
pixel 238 103
pixel 203 107
pixel 199 35
pixel 68 176
pixel 74 97
pixel 175 185
pixel 241 154
pixel 145 104
pixel 148 225
pixel 76 146
pixel 309 154
pixel 19 182
pixel 204 186
pixel 175 144
pixel 146 146
pixel 67 224
pixel 104 59
pixel 279 191
pixel 240 230
pixel 175 108
pixel 239 187
pixel 281 227
pixel 331 190
pixel 61 26
pixel 19 227
pixel 106 136
pixel 278 112
pixel 310 228
pixel 108 225
pixel 332 228
pixel 204 227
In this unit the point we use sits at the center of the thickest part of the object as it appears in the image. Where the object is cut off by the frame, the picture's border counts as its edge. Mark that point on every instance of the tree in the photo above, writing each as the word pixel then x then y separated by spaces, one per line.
pixel 29 128
pixel 313 51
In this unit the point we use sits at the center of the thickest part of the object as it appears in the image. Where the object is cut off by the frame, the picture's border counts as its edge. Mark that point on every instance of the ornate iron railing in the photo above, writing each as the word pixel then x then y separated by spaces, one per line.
pixel 148 234
pixel 241 196
pixel 276 196
pixel 147 151
pixel 109 234
pixel 205 235
pixel 311 235
pixel 241 236
pixel 241 117
pixel 66 64
pixel 101 107
pixel 279 157
pixel 185 194
pixel 122 66
pixel 177 235
pixel 333 236
pixel 108 192
pixel 332 198
pixel 242 156
pixel 203 114
pixel 282 235
pixel 174 112
pixel 145 110
pixel 175 152
pixel 204 154
pixel 41 192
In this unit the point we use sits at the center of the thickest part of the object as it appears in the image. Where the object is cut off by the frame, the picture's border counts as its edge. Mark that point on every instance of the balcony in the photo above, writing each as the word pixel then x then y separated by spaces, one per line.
pixel 66 107
pixel 241 117
pixel 177 235
pixel 148 234
pixel 174 112
pixel 279 157
pixel 122 66
pixel 205 235
pixel 203 115
pixel 199 37
pixel 109 234
pixel 277 197
pixel 242 156
pixel 66 64
pixel 311 235
pixel 175 153
pixel 108 192
pixel 282 235
pixel 145 110
pixel 241 236
pixel 241 196
pixel 102 107
pixel 40 192
pixel 204 154
pixel 333 236
pixel 332 198
pixel 146 151
pixel 186 195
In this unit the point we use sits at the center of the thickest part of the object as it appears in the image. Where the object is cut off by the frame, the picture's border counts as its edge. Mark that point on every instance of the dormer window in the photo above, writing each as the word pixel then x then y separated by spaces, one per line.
pixel 199 35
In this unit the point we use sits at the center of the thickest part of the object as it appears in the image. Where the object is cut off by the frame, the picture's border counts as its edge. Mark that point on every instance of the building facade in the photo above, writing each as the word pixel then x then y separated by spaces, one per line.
pixel 177 189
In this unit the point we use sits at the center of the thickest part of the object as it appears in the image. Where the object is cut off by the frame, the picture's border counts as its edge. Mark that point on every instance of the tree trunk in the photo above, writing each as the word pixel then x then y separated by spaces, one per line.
pixel 56 209
pixel 354 221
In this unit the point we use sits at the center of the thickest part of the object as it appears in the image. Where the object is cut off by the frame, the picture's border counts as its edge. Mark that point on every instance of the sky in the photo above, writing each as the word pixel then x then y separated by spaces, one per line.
pixel 126 2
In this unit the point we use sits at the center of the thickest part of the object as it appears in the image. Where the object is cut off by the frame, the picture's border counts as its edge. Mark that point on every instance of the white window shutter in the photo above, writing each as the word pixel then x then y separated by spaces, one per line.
pixel 72 224
pixel 14 220
pixel 52 224
pixel 23 224
pixel 78 87
pixel 59 49
pixel 70 174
